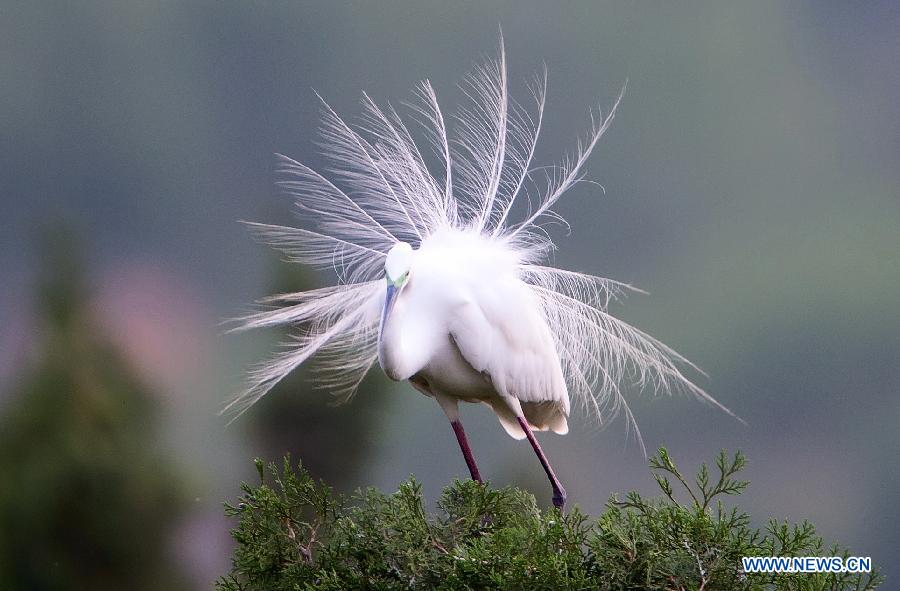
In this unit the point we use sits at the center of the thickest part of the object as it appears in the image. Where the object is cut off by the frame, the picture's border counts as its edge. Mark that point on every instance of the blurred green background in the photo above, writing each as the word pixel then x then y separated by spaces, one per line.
pixel 752 186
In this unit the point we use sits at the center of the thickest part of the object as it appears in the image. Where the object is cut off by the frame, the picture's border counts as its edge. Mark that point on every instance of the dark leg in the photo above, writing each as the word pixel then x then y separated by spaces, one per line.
pixel 466 452
pixel 559 493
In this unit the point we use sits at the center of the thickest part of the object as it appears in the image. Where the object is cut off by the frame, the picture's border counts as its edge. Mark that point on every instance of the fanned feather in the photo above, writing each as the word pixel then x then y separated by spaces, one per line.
pixel 379 190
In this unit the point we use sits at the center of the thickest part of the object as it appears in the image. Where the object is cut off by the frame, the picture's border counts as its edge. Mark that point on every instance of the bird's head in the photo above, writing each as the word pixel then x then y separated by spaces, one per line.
pixel 397 267
pixel 397 264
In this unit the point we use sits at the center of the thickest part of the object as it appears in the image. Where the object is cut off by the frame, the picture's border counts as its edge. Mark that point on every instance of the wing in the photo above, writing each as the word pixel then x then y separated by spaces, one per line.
pixel 501 332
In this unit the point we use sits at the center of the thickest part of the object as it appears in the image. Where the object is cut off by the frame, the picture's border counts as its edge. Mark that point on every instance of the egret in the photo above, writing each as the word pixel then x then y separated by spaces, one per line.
pixel 442 273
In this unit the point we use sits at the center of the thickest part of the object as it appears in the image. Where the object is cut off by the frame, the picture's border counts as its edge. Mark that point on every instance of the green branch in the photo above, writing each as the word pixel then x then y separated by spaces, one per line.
pixel 294 533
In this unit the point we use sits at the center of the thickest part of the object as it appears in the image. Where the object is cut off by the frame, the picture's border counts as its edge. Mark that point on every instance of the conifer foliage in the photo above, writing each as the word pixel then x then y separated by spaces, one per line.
pixel 294 533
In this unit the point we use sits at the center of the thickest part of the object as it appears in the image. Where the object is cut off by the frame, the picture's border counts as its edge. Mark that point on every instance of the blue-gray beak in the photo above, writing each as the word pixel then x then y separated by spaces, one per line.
pixel 390 299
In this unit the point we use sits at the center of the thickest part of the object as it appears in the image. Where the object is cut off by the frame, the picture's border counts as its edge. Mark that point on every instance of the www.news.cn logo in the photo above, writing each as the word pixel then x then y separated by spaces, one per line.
pixel 807 564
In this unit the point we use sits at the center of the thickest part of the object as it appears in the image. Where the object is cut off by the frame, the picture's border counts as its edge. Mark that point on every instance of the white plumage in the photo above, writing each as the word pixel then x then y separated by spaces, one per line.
pixel 467 327
pixel 469 313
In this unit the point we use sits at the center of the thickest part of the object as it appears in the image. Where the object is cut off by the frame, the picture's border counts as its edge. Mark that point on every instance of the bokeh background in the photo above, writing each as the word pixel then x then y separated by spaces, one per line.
pixel 752 187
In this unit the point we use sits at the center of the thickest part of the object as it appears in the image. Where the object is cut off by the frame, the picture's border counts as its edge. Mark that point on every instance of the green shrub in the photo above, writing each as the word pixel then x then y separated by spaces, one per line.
pixel 294 533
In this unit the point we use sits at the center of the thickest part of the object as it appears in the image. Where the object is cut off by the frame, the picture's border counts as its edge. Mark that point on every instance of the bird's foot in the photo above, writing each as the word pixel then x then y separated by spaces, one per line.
pixel 559 498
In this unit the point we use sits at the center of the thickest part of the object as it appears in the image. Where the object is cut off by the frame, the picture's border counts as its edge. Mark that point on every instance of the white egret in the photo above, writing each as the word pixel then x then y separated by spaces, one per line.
pixel 439 284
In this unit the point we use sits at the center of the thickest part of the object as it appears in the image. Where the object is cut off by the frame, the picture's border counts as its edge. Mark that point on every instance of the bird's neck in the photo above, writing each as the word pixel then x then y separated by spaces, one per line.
pixel 406 343
pixel 391 348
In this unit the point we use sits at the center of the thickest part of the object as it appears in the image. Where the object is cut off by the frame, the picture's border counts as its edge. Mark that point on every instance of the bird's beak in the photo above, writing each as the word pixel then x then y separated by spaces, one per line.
pixel 390 299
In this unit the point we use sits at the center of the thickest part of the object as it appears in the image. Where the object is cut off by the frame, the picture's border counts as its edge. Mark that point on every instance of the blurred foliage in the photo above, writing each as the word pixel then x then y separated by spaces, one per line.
pixel 294 533
pixel 85 502
pixel 334 440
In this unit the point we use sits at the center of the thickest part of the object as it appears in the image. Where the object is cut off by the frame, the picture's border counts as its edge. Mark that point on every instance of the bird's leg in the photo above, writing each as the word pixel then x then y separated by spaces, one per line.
pixel 466 451
pixel 559 493
pixel 450 406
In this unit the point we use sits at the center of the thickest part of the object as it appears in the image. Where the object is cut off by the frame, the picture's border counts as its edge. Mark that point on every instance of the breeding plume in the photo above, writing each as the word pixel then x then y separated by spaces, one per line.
pixel 434 226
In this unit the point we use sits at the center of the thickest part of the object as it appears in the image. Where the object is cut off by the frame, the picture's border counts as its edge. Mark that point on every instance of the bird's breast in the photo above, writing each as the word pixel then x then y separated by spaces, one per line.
pixel 448 373
pixel 427 353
